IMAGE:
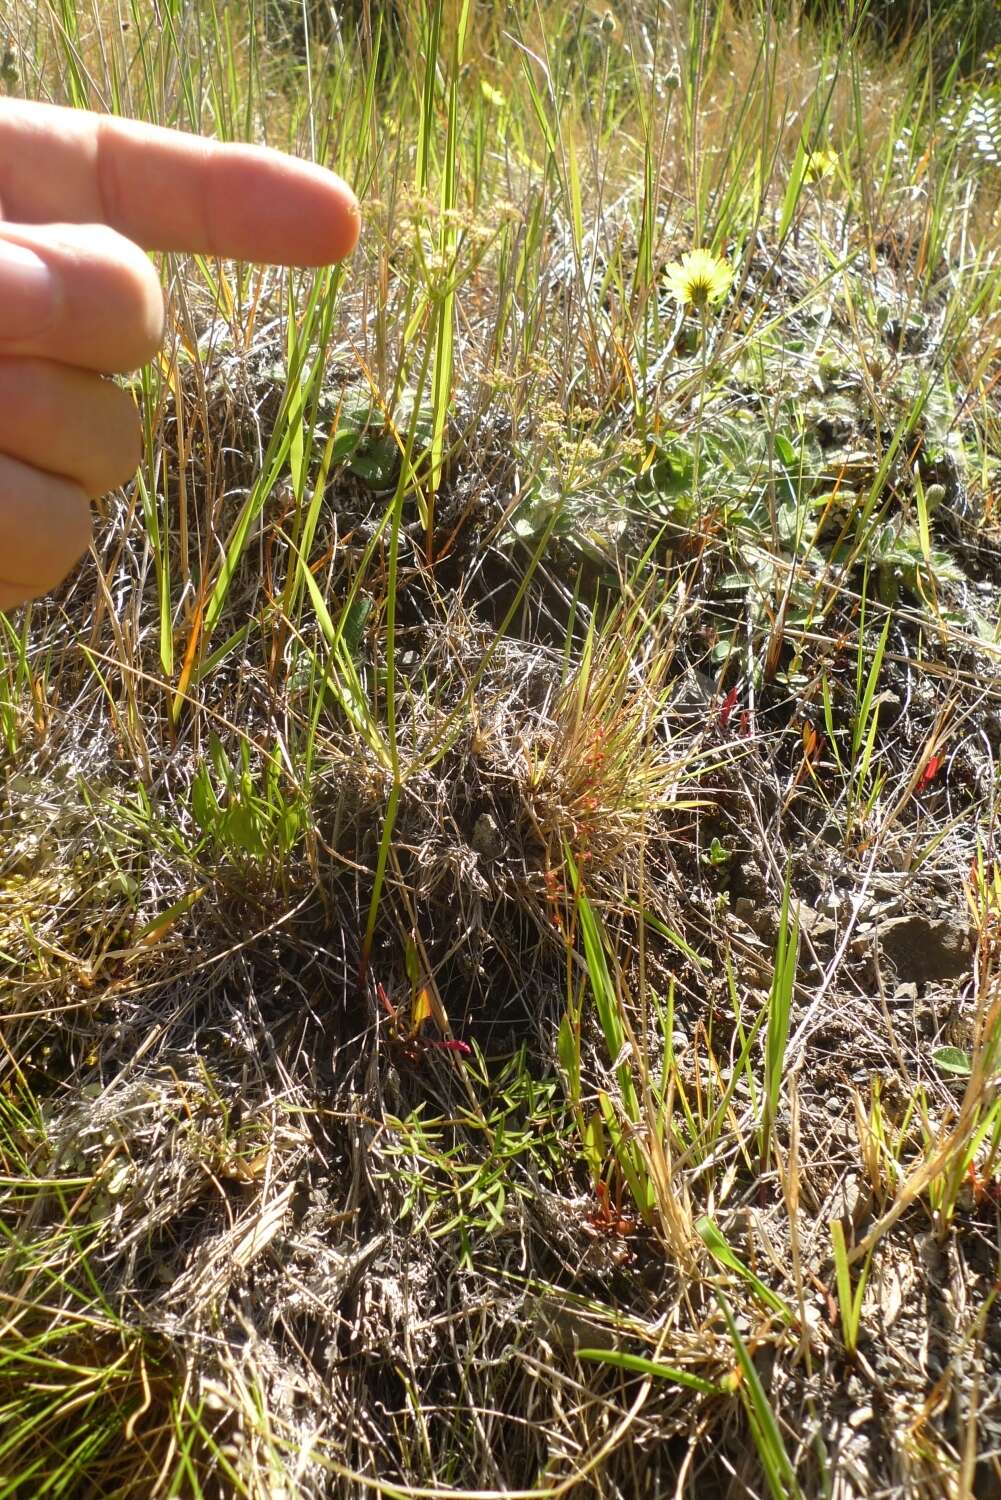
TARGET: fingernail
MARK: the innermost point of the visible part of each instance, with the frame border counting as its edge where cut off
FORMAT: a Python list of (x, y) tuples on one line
[(27, 292)]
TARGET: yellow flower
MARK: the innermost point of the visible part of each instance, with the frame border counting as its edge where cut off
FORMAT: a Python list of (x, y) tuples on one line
[(820, 164), (699, 278)]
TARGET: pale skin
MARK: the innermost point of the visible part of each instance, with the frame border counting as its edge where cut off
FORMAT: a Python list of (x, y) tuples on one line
[(81, 197)]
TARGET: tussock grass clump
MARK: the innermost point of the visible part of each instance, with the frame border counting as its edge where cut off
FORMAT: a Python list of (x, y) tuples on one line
[(499, 886)]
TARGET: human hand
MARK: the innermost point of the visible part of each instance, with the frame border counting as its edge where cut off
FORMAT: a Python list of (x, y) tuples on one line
[(79, 194)]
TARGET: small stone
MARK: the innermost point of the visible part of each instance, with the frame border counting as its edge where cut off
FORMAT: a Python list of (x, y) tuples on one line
[(486, 840), (923, 949), (820, 929), (925, 1020), (855, 1199)]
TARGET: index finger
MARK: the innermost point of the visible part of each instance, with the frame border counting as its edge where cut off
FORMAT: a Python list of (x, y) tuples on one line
[(171, 191)]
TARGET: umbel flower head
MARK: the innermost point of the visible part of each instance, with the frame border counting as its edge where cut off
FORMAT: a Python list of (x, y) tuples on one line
[(699, 278)]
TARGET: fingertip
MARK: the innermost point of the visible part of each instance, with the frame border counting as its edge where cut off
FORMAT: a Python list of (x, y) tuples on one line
[(67, 522), (45, 528), (347, 231), (331, 215), (114, 459), (147, 295), (107, 272), (69, 422)]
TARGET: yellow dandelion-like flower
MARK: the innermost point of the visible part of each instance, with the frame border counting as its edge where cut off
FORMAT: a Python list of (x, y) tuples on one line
[(820, 164), (699, 278)]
